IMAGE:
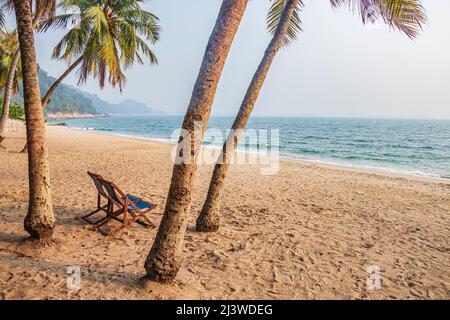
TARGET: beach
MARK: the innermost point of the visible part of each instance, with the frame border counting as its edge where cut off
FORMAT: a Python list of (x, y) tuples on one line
[(308, 232)]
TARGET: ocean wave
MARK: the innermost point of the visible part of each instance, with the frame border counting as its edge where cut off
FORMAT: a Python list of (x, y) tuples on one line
[(391, 170)]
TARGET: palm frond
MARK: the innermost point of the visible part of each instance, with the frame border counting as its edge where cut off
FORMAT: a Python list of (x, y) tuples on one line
[(110, 36), (8, 47), (274, 16), (408, 16)]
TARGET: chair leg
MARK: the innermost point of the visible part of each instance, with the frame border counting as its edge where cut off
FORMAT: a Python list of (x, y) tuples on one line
[(102, 221), (85, 217), (115, 232), (108, 217), (144, 224), (90, 214), (130, 216), (149, 222)]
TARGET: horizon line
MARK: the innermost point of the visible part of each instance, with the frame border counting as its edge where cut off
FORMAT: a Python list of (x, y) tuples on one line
[(295, 116)]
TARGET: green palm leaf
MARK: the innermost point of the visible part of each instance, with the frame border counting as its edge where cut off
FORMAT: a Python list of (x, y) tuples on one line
[(408, 16), (274, 15), (110, 36)]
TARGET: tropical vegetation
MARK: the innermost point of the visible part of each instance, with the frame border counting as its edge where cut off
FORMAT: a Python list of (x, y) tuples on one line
[(42, 9), (16, 110), (8, 48), (104, 38)]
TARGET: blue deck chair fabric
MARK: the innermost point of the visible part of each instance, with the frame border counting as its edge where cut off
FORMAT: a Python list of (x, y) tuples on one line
[(142, 205)]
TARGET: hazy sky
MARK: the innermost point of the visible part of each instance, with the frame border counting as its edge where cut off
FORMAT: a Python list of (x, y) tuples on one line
[(338, 67)]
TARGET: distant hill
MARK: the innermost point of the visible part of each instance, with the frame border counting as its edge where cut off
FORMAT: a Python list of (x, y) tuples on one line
[(65, 99), (125, 107), (69, 99)]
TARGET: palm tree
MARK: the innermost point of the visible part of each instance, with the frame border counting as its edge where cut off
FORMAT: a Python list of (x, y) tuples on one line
[(43, 9), (104, 36), (9, 91), (8, 48), (283, 20), (40, 219), (164, 259)]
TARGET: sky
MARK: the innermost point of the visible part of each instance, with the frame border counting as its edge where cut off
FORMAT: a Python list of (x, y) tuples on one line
[(337, 68)]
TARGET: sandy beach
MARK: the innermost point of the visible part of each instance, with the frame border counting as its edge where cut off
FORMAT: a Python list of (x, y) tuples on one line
[(308, 232)]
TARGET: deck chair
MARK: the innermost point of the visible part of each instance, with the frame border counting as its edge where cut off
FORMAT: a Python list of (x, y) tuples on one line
[(132, 209), (101, 194)]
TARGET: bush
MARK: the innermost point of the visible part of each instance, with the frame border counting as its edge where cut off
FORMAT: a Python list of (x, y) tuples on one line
[(16, 111)]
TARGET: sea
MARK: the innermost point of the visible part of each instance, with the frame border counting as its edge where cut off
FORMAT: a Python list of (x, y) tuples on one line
[(402, 146)]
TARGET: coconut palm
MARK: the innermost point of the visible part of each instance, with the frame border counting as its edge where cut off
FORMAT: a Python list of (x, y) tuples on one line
[(284, 22), (8, 47), (40, 220), (43, 9), (8, 75), (9, 91), (104, 38), (164, 259)]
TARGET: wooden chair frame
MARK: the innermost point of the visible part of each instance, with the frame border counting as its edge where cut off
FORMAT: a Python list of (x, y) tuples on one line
[(101, 193), (118, 198)]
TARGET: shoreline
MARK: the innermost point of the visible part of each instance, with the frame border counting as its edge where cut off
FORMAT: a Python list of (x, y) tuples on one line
[(73, 115), (288, 158)]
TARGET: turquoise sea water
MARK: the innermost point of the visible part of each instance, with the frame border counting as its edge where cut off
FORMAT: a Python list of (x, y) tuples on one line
[(414, 147)]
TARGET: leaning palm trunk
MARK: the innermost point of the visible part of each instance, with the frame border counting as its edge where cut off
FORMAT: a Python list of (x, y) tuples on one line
[(209, 217), (52, 89), (164, 259), (40, 221), (55, 85), (9, 90)]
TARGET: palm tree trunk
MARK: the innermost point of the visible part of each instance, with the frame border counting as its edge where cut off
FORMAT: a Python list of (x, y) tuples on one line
[(55, 85), (209, 218), (8, 93), (40, 220), (164, 259)]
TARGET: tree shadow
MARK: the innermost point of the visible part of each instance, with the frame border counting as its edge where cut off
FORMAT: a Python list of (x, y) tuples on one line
[(12, 258), (93, 275), (64, 215), (11, 237), (70, 216), (12, 214), (193, 230)]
